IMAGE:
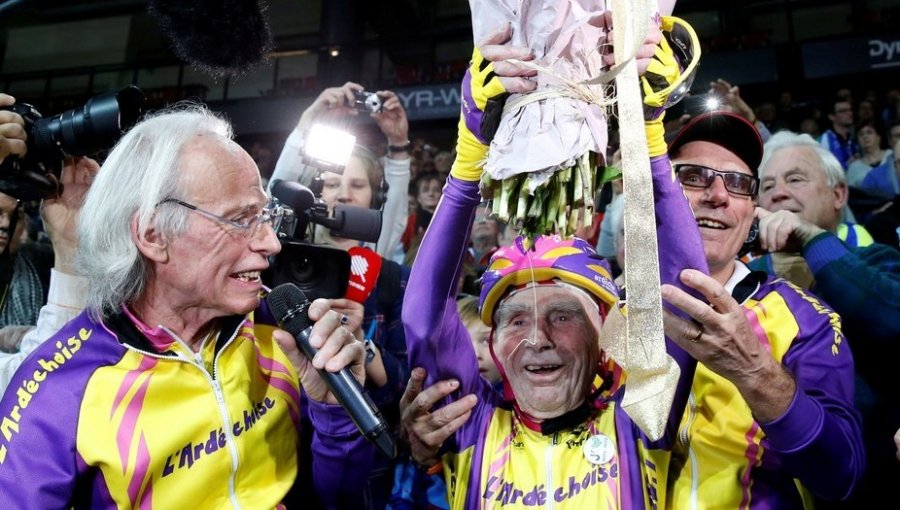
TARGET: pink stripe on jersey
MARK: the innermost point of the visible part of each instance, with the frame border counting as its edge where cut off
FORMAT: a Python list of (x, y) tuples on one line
[(751, 454)]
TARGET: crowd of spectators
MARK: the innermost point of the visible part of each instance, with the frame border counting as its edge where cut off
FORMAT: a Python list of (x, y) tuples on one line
[(819, 199)]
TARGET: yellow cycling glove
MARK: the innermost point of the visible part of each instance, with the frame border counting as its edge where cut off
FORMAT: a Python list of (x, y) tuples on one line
[(668, 77), (482, 98)]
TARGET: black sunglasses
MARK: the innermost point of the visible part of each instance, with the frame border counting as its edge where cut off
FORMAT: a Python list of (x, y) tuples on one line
[(701, 177)]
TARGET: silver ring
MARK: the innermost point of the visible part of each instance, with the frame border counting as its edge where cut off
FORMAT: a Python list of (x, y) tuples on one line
[(699, 334), (344, 320)]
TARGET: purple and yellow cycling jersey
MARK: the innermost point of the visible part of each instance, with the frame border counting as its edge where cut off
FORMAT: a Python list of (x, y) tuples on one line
[(512, 466), (97, 417), (725, 459), (494, 461)]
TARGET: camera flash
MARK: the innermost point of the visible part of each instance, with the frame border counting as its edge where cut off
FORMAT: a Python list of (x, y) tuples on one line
[(330, 146), (712, 103)]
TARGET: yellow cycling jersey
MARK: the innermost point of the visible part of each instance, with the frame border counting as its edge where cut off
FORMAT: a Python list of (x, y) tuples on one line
[(111, 422), (723, 458), (576, 468)]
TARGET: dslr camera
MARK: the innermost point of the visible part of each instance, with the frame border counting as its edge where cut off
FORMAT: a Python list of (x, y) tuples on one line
[(367, 102), (77, 132)]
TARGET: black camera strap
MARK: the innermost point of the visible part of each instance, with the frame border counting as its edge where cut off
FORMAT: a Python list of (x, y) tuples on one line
[(6, 258)]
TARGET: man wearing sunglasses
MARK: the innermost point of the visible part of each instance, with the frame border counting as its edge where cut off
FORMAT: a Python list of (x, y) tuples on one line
[(173, 387), (786, 411)]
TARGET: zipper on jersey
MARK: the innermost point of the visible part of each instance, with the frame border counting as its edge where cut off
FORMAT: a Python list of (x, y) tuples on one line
[(684, 433), (229, 438), (232, 447), (548, 466), (213, 379), (684, 438)]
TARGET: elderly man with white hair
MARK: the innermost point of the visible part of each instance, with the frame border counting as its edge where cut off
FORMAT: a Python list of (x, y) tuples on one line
[(802, 192), (173, 387)]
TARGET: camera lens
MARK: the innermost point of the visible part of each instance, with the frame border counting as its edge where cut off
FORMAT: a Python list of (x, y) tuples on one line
[(95, 126), (304, 270)]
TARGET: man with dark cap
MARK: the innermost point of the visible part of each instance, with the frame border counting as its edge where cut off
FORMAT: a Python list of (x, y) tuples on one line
[(747, 446)]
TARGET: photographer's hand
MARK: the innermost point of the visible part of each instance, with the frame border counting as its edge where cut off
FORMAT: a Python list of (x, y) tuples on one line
[(392, 122), (331, 101), (731, 99), (12, 132), (60, 214)]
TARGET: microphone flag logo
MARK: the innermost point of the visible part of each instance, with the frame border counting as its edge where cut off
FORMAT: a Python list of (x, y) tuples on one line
[(358, 266), (365, 266)]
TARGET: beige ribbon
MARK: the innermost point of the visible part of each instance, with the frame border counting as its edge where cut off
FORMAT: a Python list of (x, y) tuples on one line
[(635, 342), (640, 347)]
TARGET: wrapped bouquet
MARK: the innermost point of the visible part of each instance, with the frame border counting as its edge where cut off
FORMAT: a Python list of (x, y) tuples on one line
[(542, 161)]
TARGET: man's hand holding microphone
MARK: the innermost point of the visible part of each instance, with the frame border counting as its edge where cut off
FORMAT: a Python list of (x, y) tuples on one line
[(328, 357)]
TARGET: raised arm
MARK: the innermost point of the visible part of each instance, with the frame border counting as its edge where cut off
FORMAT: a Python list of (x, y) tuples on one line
[(68, 293), (393, 124), (679, 243), (434, 332)]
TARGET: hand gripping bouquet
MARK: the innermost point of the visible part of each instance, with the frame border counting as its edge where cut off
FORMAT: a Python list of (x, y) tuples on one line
[(541, 159)]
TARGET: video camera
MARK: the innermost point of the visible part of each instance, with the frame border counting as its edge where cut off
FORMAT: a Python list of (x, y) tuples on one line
[(320, 271), (77, 132)]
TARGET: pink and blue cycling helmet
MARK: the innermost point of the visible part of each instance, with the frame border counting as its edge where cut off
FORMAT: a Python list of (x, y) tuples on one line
[(572, 261)]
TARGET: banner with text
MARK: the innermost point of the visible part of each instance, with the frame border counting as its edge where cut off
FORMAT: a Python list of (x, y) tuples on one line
[(848, 56), (426, 102)]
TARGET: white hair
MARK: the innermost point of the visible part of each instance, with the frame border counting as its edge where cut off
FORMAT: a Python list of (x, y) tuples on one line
[(834, 172), (141, 171)]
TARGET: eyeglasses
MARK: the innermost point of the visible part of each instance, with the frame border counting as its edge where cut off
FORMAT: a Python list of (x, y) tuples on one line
[(701, 177), (248, 223)]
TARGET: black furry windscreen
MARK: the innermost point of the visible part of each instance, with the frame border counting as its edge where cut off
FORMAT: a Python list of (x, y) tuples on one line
[(225, 37)]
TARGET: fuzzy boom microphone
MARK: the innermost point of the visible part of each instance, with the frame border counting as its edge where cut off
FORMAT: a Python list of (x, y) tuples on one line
[(227, 37)]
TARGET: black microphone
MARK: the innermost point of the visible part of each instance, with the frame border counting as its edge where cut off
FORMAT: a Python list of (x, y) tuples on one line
[(293, 194), (351, 222), (289, 305)]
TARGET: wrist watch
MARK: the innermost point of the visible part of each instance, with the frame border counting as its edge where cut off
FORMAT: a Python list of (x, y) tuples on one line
[(400, 148), (370, 350)]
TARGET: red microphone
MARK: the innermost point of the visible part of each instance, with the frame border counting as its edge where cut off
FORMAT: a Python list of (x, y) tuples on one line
[(365, 266)]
